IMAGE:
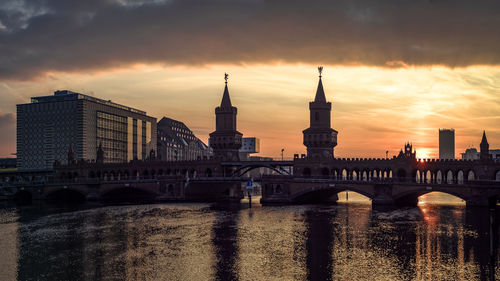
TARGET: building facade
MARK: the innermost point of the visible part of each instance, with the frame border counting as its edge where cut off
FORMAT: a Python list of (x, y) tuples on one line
[(51, 126), (446, 143), (470, 154), (249, 146), (176, 142)]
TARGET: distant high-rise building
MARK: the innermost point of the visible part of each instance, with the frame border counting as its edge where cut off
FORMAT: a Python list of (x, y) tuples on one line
[(177, 142), (72, 125), (446, 144), (248, 146)]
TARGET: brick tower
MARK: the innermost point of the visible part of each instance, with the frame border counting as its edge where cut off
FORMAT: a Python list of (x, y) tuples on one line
[(320, 139), (226, 140)]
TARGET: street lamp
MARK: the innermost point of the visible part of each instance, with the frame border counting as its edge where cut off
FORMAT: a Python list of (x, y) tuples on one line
[(282, 150)]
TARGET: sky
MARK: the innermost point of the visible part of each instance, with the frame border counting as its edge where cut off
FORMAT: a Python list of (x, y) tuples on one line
[(395, 71)]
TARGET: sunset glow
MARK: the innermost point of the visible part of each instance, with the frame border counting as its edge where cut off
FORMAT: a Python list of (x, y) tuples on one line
[(374, 109)]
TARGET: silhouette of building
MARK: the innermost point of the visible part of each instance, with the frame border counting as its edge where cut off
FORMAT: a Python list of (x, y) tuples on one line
[(248, 146), (320, 139), (49, 126), (484, 152), (473, 154), (446, 144), (470, 154), (226, 140), (176, 142), (408, 153)]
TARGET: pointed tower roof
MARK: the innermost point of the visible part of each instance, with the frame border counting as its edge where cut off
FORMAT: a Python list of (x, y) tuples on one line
[(484, 140), (226, 100), (320, 93)]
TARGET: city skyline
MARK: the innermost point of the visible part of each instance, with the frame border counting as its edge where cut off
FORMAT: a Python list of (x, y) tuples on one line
[(387, 85), (290, 117)]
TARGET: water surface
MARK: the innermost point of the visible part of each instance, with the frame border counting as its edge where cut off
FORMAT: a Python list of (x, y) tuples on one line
[(348, 241)]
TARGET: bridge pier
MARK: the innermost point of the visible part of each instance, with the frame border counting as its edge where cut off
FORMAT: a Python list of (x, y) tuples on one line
[(383, 195), (480, 202)]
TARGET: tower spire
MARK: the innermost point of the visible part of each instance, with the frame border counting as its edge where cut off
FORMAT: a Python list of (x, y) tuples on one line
[(484, 148), (320, 93), (226, 100), (226, 140), (320, 139), (484, 140)]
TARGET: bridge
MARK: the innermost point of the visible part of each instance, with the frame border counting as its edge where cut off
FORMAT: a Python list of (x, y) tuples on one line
[(313, 177), (388, 191)]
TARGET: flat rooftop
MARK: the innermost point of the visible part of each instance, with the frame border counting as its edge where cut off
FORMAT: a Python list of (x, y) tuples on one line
[(66, 95)]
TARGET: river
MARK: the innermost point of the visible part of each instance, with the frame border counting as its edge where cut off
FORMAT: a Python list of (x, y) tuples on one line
[(194, 241)]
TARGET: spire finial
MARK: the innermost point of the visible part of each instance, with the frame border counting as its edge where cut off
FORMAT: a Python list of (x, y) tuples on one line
[(226, 76), (320, 70)]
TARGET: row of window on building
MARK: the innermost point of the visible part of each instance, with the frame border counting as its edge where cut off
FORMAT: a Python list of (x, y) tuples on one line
[(87, 123)]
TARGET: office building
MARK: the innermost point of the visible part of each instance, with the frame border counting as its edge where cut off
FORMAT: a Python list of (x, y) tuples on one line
[(73, 125), (446, 144), (176, 142), (248, 146)]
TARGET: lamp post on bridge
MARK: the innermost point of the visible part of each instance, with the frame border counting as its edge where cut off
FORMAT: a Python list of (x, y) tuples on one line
[(282, 150)]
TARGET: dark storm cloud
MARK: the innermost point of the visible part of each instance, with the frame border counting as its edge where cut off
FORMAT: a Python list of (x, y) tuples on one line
[(63, 35)]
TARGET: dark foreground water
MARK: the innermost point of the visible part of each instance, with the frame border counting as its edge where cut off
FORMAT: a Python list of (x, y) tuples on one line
[(211, 242)]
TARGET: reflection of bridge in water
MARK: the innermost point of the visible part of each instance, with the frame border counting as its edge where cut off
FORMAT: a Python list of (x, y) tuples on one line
[(317, 176)]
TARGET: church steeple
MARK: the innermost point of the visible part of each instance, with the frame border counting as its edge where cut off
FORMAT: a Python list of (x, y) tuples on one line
[(484, 140), (484, 147), (320, 138)]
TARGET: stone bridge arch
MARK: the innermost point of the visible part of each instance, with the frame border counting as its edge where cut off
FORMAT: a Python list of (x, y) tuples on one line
[(321, 193), (66, 195), (23, 196), (410, 196)]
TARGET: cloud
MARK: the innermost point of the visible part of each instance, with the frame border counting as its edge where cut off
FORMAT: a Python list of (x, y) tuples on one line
[(60, 35), (8, 135)]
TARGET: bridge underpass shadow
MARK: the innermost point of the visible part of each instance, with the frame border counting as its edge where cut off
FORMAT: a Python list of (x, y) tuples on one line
[(324, 196), (128, 195), (23, 197), (332, 196), (429, 197), (65, 196)]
